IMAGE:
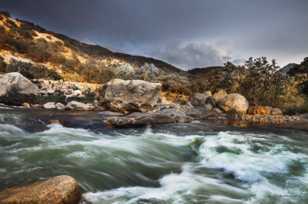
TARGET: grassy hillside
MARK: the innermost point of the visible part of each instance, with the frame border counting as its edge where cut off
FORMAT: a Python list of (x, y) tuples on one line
[(37, 52)]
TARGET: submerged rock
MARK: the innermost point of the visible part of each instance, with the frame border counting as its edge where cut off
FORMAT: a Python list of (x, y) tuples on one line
[(57, 190), (234, 103), (130, 95), (16, 89)]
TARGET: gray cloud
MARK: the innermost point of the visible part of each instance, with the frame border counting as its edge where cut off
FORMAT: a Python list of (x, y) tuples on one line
[(277, 28), (192, 54)]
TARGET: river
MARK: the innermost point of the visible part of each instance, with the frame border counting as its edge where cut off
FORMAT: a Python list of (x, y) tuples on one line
[(169, 164)]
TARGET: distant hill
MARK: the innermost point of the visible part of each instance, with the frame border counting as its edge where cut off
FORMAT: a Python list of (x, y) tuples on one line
[(301, 68)]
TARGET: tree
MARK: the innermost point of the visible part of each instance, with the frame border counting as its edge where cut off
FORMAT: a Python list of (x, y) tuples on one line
[(264, 83)]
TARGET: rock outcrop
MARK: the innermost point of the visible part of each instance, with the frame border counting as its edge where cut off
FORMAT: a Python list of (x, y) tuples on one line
[(130, 95), (16, 89), (57, 190), (234, 103)]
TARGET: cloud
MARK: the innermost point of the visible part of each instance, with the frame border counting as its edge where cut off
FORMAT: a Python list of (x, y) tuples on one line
[(192, 54)]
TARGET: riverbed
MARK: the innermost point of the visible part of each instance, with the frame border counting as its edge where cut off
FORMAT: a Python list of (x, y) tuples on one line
[(166, 164)]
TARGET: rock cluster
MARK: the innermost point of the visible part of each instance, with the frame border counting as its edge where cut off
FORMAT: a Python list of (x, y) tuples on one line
[(61, 91), (56, 190), (137, 102), (229, 103)]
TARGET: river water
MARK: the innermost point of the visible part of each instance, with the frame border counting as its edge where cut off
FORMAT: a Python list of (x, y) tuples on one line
[(171, 164)]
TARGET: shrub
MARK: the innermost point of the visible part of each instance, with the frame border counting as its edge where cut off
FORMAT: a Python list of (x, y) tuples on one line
[(31, 71)]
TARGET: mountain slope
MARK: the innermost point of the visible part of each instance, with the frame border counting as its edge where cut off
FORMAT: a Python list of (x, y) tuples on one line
[(38, 53)]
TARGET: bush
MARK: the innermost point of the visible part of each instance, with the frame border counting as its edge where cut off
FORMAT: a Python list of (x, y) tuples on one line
[(31, 71)]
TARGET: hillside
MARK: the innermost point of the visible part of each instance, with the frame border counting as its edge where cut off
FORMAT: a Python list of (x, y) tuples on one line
[(38, 53)]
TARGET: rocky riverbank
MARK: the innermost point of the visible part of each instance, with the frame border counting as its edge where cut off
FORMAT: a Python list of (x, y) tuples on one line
[(135, 102)]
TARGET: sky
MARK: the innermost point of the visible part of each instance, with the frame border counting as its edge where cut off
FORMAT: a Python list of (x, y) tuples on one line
[(186, 33)]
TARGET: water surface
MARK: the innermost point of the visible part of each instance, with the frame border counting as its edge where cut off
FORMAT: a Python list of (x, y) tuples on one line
[(172, 164)]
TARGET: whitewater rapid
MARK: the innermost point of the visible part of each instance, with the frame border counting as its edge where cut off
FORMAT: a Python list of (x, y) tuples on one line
[(161, 166)]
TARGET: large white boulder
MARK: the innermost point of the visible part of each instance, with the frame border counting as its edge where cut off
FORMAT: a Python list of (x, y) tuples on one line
[(130, 95), (16, 89)]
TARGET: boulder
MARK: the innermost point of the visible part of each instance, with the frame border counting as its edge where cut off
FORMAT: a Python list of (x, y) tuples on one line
[(130, 95), (219, 95), (234, 103), (78, 106), (16, 89), (142, 119), (57, 190)]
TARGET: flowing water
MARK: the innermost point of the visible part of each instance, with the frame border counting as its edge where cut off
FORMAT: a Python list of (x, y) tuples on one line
[(173, 164)]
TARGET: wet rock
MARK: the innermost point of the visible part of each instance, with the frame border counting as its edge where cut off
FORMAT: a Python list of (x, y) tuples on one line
[(57, 190), (16, 89), (130, 95), (140, 119), (78, 106), (234, 103)]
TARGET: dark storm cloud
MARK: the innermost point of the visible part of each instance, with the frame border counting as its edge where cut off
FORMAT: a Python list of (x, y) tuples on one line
[(184, 32)]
